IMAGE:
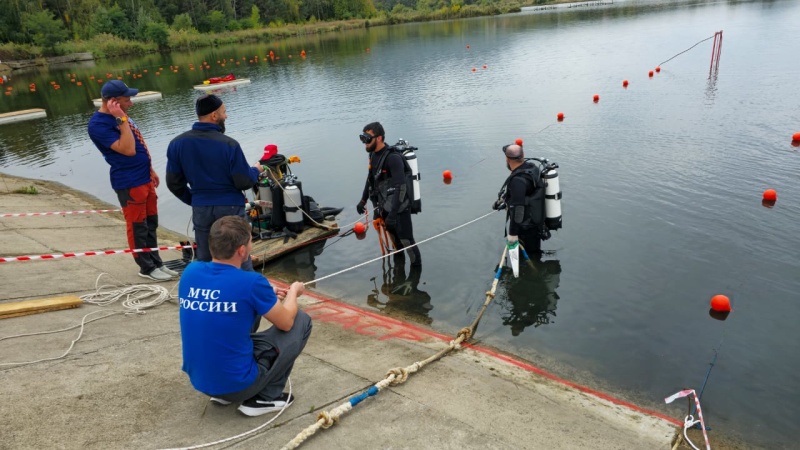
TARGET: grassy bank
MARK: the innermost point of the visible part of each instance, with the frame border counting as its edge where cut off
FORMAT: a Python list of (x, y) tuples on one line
[(108, 46)]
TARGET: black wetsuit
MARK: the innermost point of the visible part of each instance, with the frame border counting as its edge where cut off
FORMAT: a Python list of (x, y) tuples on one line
[(398, 224), (519, 187)]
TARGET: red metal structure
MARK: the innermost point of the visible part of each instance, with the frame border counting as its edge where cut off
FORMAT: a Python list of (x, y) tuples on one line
[(716, 51)]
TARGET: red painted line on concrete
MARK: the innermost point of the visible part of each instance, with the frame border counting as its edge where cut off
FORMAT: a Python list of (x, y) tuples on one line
[(484, 350)]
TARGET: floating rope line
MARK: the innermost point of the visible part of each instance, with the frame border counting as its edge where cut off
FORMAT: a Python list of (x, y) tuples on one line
[(398, 375), (695, 45)]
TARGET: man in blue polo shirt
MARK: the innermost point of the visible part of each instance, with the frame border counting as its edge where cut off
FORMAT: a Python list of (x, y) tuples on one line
[(208, 171), (132, 176), (220, 306)]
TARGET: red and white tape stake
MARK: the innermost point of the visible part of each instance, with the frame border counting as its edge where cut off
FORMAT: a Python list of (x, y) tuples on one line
[(689, 421), (97, 253), (59, 213)]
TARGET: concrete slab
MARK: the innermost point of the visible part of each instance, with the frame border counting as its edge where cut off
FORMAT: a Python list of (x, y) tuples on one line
[(122, 385)]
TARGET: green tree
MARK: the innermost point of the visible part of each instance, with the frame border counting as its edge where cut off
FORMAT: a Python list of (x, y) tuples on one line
[(217, 22), (182, 22), (112, 21), (255, 17), (44, 29), (157, 32)]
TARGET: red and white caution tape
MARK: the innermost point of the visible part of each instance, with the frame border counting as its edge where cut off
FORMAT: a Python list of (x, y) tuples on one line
[(689, 421), (97, 253), (59, 213)]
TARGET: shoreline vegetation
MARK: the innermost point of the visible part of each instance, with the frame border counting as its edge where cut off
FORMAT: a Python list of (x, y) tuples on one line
[(43, 36)]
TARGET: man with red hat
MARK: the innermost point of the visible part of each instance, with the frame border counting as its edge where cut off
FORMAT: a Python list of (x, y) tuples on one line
[(208, 171), (132, 176)]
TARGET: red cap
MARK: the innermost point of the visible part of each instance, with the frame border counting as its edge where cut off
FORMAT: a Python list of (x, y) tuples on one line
[(269, 151)]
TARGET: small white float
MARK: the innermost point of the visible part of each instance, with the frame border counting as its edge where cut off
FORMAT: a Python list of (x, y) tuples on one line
[(224, 84), (19, 116), (140, 97)]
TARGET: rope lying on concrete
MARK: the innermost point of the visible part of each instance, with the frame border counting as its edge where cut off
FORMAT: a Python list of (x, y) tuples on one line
[(398, 375)]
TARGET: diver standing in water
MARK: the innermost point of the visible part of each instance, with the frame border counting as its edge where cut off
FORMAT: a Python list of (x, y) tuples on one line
[(523, 193), (388, 190)]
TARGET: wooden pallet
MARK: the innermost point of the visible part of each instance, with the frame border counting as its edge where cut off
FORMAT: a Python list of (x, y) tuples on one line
[(24, 308), (267, 250)]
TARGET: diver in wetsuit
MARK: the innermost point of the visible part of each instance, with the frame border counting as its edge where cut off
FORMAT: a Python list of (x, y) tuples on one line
[(523, 195), (388, 190)]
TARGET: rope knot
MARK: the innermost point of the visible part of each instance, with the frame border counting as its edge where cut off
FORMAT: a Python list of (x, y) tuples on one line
[(490, 294), (466, 332), (400, 375), (328, 420)]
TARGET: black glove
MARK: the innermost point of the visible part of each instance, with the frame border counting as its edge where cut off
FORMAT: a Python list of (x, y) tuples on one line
[(360, 208), (498, 205), (391, 222)]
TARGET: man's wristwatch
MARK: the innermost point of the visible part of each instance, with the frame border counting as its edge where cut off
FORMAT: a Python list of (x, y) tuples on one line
[(121, 120)]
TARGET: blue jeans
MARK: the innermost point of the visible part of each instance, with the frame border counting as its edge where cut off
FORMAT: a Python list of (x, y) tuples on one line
[(205, 216)]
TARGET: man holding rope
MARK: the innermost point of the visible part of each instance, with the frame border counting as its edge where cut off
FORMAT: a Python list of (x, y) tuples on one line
[(221, 307)]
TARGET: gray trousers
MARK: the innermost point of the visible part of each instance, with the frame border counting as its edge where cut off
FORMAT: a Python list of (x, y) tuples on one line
[(275, 352)]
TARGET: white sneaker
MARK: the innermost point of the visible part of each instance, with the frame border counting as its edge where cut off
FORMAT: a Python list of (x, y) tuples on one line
[(156, 275), (168, 271)]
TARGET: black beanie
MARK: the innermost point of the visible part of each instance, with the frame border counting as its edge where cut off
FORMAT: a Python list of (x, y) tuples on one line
[(207, 104)]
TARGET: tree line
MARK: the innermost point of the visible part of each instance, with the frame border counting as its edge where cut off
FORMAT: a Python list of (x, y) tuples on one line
[(46, 23)]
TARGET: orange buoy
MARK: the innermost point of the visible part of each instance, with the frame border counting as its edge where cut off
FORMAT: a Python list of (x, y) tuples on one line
[(720, 303), (658, 69), (560, 116), (518, 141), (650, 74), (474, 69), (624, 83), (447, 175), (484, 66), (770, 195), (796, 137), (360, 227), (596, 98)]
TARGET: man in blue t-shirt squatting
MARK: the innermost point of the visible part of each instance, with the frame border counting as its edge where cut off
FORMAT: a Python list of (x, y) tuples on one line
[(132, 176), (221, 306)]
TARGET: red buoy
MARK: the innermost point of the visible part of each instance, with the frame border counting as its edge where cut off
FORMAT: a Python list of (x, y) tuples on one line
[(518, 141), (474, 69), (596, 98), (720, 303), (360, 227), (658, 69), (560, 116), (796, 137), (624, 83), (770, 195), (650, 74), (447, 175), (484, 66), (468, 46)]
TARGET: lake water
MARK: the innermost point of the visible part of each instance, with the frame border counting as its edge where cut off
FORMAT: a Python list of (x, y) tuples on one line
[(662, 182)]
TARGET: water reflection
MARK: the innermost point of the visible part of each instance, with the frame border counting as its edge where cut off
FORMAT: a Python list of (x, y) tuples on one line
[(531, 299), (399, 294), (299, 265)]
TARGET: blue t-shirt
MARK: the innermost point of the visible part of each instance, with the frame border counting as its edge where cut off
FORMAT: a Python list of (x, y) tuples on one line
[(218, 305), (126, 171)]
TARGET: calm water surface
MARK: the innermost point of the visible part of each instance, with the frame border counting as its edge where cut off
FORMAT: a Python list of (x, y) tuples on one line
[(661, 182)]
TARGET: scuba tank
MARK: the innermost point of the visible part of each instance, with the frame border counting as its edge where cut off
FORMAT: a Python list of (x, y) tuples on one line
[(292, 205), (552, 197), (265, 195), (411, 159)]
